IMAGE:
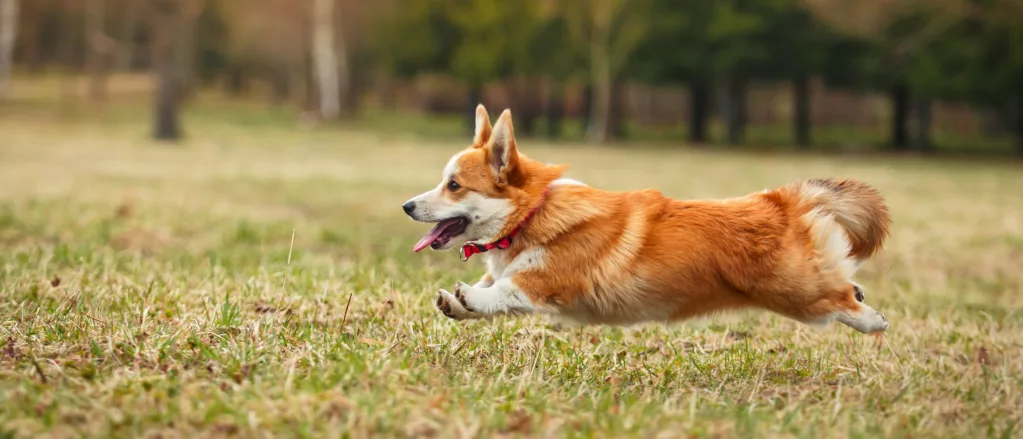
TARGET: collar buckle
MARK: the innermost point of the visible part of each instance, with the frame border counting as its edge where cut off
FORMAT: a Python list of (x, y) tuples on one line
[(470, 249)]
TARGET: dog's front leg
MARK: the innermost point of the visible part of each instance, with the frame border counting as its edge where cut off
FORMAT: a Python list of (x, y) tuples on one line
[(486, 281), (475, 302)]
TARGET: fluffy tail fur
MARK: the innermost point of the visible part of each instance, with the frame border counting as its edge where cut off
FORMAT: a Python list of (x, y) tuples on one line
[(857, 207)]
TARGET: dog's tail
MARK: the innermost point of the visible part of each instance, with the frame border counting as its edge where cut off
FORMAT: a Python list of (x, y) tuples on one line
[(858, 208)]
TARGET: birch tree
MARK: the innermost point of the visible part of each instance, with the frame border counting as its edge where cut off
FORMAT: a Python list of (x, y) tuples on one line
[(331, 69), (8, 36)]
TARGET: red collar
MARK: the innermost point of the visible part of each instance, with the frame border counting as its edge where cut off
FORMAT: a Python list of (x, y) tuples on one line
[(471, 249)]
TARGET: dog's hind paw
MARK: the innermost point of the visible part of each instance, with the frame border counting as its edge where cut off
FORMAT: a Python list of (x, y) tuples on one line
[(866, 320)]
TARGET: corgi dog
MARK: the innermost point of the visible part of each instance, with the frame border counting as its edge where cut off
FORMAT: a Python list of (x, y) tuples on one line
[(559, 247)]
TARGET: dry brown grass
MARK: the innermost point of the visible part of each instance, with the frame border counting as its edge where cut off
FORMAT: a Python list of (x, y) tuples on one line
[(201, 290)]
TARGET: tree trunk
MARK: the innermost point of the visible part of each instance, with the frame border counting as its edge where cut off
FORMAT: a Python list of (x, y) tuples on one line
[(237, 82), (30, 42), (280, 83), (555, 110), (526, 103), (309, 91), (801, 107), (900, 117), (736, 110), (475, 98), (923, 125), (351, 94), (345, 79), (699, 100), (618, 117), (186, 46), (96, 44), (296, 84), (326, 60), (387, 91), (1016, 120), (585, 106), (600, 129), (66, 51), (126, 53), (167, 17), (8, 36)]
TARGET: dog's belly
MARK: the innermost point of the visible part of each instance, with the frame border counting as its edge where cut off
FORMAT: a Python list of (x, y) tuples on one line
[(655, 292)]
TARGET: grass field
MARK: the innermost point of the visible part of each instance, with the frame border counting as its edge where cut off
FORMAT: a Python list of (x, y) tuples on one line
[(258, 280)]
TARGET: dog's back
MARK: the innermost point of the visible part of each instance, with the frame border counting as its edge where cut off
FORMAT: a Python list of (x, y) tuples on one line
[(634, 256)]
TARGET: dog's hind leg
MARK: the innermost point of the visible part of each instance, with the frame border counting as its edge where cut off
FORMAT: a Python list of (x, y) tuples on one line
[(848, 308), (867, 320)]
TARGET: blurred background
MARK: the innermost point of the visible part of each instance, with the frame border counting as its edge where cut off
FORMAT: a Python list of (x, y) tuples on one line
[(925, 76), (201, 231)]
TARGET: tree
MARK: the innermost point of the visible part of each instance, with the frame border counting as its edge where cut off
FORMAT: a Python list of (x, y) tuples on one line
[(476, 41), (191, 11), (694, 42), (129, 27), (166, 16), (996, 27), (528, 56), (416, 38), (8, 37), (737, 33), (610, 31), (551, 55), (484, 29), (976, 60), (798, 46), (98, 45), (675, 52), (897, 32), (214, 42), (325, 57)]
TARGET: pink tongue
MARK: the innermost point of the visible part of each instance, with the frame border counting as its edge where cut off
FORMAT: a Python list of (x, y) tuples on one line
[(434, 234)]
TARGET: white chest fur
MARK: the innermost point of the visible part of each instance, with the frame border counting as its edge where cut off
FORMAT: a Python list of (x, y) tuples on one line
[(502, 267)]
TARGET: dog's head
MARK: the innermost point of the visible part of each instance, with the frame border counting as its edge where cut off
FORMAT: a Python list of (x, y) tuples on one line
[(484, 190)]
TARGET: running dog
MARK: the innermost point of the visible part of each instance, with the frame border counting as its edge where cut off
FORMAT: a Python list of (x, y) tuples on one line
[(557, 246)]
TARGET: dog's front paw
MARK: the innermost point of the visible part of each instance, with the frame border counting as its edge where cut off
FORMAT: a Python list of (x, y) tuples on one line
[(460, 289), (453, 305)]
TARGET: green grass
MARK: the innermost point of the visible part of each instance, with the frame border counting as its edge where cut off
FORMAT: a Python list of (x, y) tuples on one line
[(258, 280)]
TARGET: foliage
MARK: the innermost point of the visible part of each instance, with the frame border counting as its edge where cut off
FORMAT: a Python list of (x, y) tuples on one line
[(977, 58), (698, 40), (475, 40), (416, 38), (962, 50)]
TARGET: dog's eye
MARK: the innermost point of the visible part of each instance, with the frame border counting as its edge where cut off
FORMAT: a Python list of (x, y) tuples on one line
[(452, 186)]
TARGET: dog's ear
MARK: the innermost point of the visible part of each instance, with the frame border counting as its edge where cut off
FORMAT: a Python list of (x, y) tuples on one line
[(502, 155), (483, 129)]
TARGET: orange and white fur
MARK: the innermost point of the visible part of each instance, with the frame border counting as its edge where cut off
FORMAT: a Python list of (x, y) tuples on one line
[(596, 256)]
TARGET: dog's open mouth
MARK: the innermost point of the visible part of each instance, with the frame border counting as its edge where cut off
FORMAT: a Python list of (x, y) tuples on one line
[(442, 233)]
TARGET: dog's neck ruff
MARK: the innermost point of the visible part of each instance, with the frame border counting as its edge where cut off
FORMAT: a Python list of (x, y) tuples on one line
[(470, 249)]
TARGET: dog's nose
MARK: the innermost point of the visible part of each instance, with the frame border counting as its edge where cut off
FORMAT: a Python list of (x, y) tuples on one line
[(409, 207)]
